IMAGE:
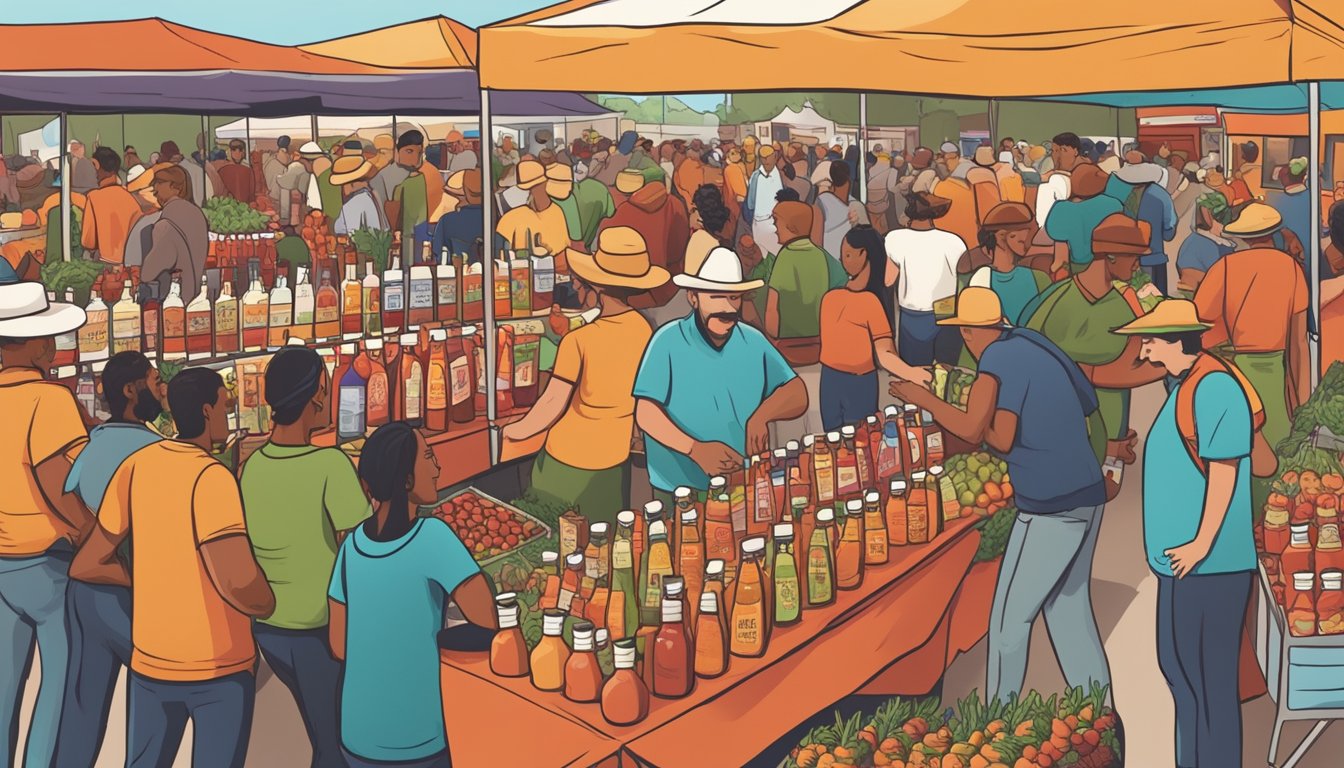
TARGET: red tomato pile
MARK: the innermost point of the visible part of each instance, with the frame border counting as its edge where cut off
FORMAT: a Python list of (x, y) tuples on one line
[(486, 527)]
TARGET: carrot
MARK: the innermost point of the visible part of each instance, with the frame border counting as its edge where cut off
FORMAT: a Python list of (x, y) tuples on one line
[(1086, 714), (1029, 752), (993, 491), (1007, 489), (982, 500), (1060, 728)]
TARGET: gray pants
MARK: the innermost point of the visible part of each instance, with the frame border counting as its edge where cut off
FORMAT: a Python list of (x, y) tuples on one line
[(98, 617), (220, 711), (1047, 569), (32, 616), (302, 659), (1199, 629)]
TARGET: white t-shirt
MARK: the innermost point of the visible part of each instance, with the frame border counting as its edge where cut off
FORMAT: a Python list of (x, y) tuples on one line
[(928, 263)]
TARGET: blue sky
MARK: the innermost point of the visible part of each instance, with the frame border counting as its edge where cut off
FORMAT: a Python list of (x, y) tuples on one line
[(256, 19)]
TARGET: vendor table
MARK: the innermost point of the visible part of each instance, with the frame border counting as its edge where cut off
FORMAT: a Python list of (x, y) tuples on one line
[(897, 633)]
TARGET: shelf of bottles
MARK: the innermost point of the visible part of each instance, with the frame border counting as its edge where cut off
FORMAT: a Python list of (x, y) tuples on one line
[(405, 343)]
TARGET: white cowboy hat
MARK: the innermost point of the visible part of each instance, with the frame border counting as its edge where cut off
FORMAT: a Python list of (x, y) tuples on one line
[(1140, 173), (721, 271), (25, 312), (310, 149)]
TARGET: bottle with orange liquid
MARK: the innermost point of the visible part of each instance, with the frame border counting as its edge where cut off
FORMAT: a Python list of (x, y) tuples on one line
[(799, 478), (550, 565), (691, 557), (508, 650), (898, 515), (719, 523), (174, 323), (933, 439), (875, 539), (889, 450), (919, 509), (673, 654), (436, 382), (1298, 557), (623, 579), (200, 334), (849, 552), (327, 315), (352, 304), (761, 513), (625, 697), (583, 675), (551, 655), (863, 447), (846, 463), (750, 623), (1302, 606), (711, 644), (823, 472)]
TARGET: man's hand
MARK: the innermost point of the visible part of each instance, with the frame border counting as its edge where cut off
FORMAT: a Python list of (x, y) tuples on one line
[(1164, 151), (915, 375), (907, 391), (715, 458), (1123, 449), (758, 436), (853, 217), (510, 432), (1184, 558)]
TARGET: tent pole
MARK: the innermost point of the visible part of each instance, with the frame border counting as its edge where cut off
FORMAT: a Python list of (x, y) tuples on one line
[(247, 139), (488, 269), (394, 132), (1119, 148), (314, 127), (863, 147), (993, 128), (67, 170), (1313, 263), (205, 156)]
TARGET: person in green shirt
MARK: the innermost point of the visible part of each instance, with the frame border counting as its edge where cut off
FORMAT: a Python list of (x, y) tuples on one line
[(585, 203), (299, 499), (800, 276)]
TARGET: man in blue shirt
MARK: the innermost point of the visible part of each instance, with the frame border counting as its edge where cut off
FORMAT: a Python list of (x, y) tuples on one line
[(1036, 409), (1138, 187), (460, 230), (98, 611), (1197, 530), (709, 387), (1201, 251)]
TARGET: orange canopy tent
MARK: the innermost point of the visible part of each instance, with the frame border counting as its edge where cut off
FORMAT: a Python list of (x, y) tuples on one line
[(434, 43), (948, 47)]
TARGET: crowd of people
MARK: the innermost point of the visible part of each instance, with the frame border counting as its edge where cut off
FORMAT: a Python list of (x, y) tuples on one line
[(747, 296)]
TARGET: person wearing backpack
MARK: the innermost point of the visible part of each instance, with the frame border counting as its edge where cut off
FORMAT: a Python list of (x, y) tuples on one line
[(1199, 456), (1034, 408), (1139, 188)]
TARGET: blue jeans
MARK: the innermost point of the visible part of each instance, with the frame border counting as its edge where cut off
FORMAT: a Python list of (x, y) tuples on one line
[(921, 341), (32, 616), (220, 711), (1047, 569), (846, 398), (1199, 629), (441, 760), (98, 617), (302, 659)]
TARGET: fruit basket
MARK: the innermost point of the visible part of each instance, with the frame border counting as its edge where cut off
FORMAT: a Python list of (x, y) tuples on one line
[(490, 528)]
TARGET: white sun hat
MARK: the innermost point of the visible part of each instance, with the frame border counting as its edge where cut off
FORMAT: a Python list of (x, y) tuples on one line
[(25, 312), (310, 149), (720, 271)]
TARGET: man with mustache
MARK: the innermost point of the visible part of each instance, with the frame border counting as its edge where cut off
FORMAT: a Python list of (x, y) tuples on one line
[(709, 386), (98, 600)]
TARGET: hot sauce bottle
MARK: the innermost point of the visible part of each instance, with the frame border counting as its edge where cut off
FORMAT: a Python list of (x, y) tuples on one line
[(898, 515), (711, 644), (174, 323), (683, 500), (656, 566), (1330, 604), (411, 384), (551, 655), (378, 404), (847, 464), (823, 472), (583, 675), (508, 650), (199, 331), (761, 513), (933, 439), (1302, 618), (1276, 527), (673, 663), (750, 623), (126, 317), (394, 297), (550, 563), (570, 580), (372, 301), (445, 284), (918, 509), (436, 382), (1329, 556), (691, 557), (327, 315), (1297, 557), (889, 448), (462, 403), (874, 530), (625, 698), (719, 522), (256, 308), (784, 573), (849, 552), (779, 485), (799, 477), (950, 508), (623, 583), (821, 562), (352, 303)]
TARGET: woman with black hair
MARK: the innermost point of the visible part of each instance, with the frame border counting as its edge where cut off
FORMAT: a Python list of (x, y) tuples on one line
[(855, 332), (709, 213), (299, 499), (392, 579), (1332, 289)]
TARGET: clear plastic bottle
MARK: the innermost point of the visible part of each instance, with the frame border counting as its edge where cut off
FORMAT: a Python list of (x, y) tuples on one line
[(508, 650), (256, 310)]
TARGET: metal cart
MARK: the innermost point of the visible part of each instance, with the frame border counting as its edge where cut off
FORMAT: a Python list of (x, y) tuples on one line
[(1305, 675)]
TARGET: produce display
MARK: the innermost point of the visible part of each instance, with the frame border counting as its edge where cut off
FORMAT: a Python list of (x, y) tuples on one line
[(982, 482), (1029, 732), (227, 216), (375, 244), (316, 233), (952, 384), (1148, 297), (487, 527), (994, 534), (76, 274), (1325, 408)]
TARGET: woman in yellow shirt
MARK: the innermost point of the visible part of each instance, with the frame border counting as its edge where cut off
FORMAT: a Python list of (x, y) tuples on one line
[(587, 405)]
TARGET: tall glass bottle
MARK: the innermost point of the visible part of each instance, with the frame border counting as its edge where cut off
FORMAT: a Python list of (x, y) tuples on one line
[(821, 561), (372, 301), (174, 322), (719, 523), (394, 297), (623, 583), (281, 309), (437, 382), (691, 557), (846, 463), (654, 567), (226, 321), (94, 335), (352, 304), (919, 509), (823, 470), (256, 310), (750, 623), (420, 305), (305, 306), (327, 314), (898, 515), (874, 530), (411, 400), (352, 400), (371, 365), (125, 322), (445, 284), (199, 331), (788, 601), (849, 552)]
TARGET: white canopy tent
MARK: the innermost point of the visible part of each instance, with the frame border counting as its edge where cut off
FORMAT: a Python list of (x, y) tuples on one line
[(433, 126)]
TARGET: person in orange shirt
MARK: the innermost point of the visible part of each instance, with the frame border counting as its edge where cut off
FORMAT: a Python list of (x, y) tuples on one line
[(855, 332), (109, 211), (39, 522), (196, 587), (961, 219), (735, 181)]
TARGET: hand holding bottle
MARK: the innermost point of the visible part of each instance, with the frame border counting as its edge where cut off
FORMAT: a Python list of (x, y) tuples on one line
[(715, 458)]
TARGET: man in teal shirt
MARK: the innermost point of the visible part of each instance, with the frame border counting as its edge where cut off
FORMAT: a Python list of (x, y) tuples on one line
[(1070, 222), (709, 386), (1197, 530), (298, 499)]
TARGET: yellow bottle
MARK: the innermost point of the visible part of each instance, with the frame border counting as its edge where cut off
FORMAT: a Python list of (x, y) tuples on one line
[(750, 623), (551, 654), (849, 552), (874, 530)]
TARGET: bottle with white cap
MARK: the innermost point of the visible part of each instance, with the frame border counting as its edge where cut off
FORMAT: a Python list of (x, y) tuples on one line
[(673, 665), (711, 644), (583, 674), (784, 575), (625, 697), (655, 566), (821, 561), (823, 469), (750, 623), (570, 580), (352, 400), (624, 579), (549, 658), (716, 583), (508, 650), (683, 499), (691, 558), (849, 550), (719, 523), (394, 297), (1330, 604), (1302, 618), (305, 306), (874, 530), (889, 451), (550, 566), (411, 382), (898, 521)]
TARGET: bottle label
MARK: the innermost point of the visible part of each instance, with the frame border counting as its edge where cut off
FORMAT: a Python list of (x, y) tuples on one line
[(325, 314), (371, 304), (849, 479), (935, 446), (877, 546), (254, 315), (916, 447), (918, 524), (378, 397), (762, 512), (786, 599), (151, 331), (392, 299), (888, 457), (174, 324), (226, 319), (524, 374), (422, 294), (825, 483), (447, 292), (543, 280), (198, 323), (473, 290), (461, 376), (280, 315), (412, 386), (818, 574), (621, 555), (351, 420), (352, 302), (438, 394), (719, 541), (595, 568), (747, 629), (126, 327), (653, 596)]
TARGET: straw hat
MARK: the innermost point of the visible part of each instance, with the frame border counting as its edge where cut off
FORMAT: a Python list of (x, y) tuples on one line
[(25, 312), (455, 183), (765, 151), (977, 308), (721, 271), (1118, 234), (1255, 220), (1169, 316), (984, 156), (530, 174), (559, 181), (621, 261), (1008, 216), (144, 180), (349, 168), (629, 181)]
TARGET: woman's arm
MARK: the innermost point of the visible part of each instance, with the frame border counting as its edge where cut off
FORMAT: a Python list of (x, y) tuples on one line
[(885, 348), (544, 413), (1126, 371), (97, 561), (477, 602), (336, 628)]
